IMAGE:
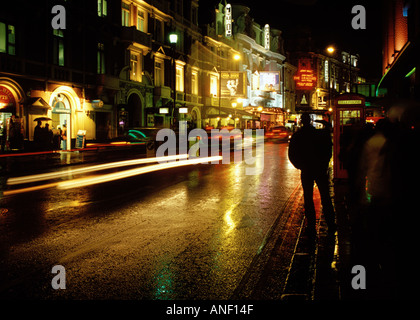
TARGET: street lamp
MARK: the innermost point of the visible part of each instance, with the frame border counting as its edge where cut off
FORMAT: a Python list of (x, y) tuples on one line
[(173, 39), (331, 49)]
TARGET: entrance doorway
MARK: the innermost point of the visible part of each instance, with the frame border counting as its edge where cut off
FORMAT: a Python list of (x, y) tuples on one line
[(134, 108), (61, 120)]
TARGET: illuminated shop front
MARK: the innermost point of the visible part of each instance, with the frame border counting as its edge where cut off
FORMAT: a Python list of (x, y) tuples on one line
[(11, 122)]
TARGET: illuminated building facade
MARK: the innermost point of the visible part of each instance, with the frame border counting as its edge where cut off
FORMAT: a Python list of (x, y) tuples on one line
[(400, 62), (321, 77), (262, 62), (114, 66)]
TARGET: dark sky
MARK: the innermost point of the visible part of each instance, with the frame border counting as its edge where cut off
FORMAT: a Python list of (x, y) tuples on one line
[(329, 21)]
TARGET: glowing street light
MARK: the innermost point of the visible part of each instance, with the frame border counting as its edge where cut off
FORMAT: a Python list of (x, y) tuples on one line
[(331, 49), (173, 38)]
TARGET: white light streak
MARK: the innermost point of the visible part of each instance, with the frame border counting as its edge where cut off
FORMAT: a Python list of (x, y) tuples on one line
[(111, 165), (83, 182), (88, 181)]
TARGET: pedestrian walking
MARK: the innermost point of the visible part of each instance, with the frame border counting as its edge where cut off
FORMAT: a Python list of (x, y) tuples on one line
[(310, 150), (48, 136), (64, 137), (38, 135)]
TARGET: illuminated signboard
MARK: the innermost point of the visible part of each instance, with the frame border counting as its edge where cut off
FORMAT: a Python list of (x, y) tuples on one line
[(350, 102), (233, 84), (6, 98), (305, 79), (269, 81), (228, 20), (267, 37)]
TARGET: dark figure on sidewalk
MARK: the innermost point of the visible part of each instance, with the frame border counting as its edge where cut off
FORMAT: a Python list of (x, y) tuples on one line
[(48, 142), (38, 135), (310, 150)]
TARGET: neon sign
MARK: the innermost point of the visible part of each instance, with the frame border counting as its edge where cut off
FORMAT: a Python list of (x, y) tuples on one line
[(228, 20), (305, 77), (267, 37)]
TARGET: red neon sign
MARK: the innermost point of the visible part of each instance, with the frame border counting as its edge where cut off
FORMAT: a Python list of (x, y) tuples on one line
[(305, 78)]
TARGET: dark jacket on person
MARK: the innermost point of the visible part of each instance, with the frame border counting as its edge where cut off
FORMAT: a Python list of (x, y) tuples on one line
[(310, 149)]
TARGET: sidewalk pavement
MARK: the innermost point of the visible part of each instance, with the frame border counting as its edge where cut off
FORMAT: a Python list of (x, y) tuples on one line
[(389, 274)]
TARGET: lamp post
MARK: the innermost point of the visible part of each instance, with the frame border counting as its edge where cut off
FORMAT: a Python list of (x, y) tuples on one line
[(173, 40), (330, 50)]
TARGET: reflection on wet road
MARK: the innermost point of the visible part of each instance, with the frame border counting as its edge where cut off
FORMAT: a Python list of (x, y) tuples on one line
[(183, 233)]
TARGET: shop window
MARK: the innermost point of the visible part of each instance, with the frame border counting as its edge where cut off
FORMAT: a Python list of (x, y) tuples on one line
[(213, 86), (58, 47), (100, 60), (159, 30), (135, 65), (159, 72), (102, 8), (7, 38), (141, 21), (179, 78), (125, 14), (194, 83)]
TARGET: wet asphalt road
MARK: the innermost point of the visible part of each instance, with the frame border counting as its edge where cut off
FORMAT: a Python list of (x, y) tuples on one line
[(185, 233)]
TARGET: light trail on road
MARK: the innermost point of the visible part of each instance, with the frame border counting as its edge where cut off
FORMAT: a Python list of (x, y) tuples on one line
[(88, 181), (83, 182), (105, 166)]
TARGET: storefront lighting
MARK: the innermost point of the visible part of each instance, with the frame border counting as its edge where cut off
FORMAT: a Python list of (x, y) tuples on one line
[(163, 110), (183, 110)]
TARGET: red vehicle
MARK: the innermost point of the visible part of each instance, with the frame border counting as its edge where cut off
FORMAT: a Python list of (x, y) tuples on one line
[(280, 133)]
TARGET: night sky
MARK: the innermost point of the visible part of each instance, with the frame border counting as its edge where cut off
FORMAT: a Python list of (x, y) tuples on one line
[(329, 22)]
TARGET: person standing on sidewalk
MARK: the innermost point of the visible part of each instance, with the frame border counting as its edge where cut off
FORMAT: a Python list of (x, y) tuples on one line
[(310, 150)]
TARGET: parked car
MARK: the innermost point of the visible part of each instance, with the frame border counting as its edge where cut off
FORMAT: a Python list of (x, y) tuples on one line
[(278, 133)]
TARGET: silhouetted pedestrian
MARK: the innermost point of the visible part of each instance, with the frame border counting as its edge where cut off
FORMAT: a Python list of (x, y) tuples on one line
[(48, 137), (38, 135), (310, 150)]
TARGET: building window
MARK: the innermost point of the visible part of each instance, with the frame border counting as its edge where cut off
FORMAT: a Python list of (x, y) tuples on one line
[(159, 30), (102, 8), (194, 13), (194, 83), (135, 64), (179, 78), (7, 39), (58, 47), (213, 86), (125, 14), (141, 22), (100, 66), (159, 72)]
